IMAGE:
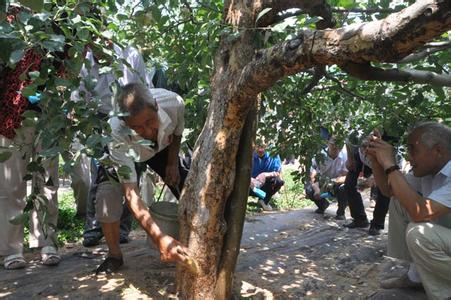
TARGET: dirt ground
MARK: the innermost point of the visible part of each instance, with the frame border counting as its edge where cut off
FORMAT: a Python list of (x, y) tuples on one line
[(284, 255)]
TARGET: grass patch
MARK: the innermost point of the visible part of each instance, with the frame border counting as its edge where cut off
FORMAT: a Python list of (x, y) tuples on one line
[(70, 226)]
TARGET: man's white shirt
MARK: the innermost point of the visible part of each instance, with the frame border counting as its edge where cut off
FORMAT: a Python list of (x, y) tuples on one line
[(330, 167), (128, 147), (435, 187)]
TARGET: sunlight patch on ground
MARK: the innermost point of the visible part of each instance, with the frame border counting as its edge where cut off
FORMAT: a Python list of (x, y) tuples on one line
[(249, 290)]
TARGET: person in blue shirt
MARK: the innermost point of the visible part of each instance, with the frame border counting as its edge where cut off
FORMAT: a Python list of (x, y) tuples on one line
[(265, 180)]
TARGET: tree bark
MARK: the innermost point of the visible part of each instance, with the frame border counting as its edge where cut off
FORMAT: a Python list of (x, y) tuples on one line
[(236, 208)]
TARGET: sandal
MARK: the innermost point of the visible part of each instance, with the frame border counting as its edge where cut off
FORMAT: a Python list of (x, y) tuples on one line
[(49, 256), (14, 262), (110, 265)]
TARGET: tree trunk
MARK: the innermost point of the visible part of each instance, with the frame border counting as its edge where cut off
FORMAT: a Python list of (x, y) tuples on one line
[(235, 212), (212, 176)]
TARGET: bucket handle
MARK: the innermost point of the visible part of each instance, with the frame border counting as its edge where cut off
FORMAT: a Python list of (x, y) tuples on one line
[(161, 192)]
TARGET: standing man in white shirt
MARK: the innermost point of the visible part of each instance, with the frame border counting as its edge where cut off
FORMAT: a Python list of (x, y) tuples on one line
[(420, 211), (150, 132), (134, 70)]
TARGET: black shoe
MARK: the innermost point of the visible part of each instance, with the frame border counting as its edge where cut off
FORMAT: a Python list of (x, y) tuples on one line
[(319, 211), (357, 224), (374, 231), (340, 217), (90, 241), (110, 265), (322, 207), (123, 239)]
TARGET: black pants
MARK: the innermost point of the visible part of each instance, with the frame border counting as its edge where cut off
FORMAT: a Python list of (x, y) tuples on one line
[(338, 192), (271, 186), (158, 164), (355, 201)]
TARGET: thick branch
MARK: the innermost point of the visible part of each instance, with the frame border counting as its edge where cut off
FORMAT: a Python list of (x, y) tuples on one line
[(367, 72), (386, 40), (365, 11), (311, 7), (424, 53)]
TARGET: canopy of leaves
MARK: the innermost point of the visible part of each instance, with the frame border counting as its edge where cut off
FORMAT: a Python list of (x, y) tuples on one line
[(181, 37)]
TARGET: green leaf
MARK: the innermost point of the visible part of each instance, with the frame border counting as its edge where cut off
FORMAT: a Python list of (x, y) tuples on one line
[(51, 152), (124, 172), (347, 3), (4, 156), (35, 5), (16, 56)]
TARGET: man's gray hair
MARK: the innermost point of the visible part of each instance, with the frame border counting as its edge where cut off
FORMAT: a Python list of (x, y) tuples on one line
[(433, 133), (133, 98)]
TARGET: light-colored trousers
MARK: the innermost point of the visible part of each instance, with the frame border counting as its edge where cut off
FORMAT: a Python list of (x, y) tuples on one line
[(13, 191), (426, 244), (81, 182)]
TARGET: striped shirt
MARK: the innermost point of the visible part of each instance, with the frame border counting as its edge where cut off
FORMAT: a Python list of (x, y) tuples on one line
[(128, 147)]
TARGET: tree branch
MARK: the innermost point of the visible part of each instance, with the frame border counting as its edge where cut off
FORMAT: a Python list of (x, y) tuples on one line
[(311, 7), (317, 73), (386, 40), (368, 72), (424, 53), (365, 11), (341, 87)]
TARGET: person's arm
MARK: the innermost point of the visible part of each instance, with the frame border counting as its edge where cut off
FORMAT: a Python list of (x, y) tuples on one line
[(380, 178), (350, 161), (170, 248), (172, 168), (339, 179), (419, 208)]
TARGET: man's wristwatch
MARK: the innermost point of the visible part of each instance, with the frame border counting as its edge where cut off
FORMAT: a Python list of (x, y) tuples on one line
[(391, 169)]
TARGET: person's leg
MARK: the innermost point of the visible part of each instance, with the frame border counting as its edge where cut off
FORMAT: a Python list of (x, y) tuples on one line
[(12, 201), (42, 235), (93, 231), (430, 247), (379, 213), (342, 199), (321, 203), (397, 226), (125, 224), (81, 183), (271, 186), (109, 204), (354, 197)]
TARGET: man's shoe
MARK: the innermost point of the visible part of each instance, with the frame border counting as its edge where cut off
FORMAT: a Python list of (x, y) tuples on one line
[(357, 224), (266, 207), (374, 231), (110, 265), (400, 282), (322, 207), (340, 217), (319, 211), (90, 241)]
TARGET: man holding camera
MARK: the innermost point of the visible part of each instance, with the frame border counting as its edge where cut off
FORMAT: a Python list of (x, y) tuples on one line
[(420, 212)]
